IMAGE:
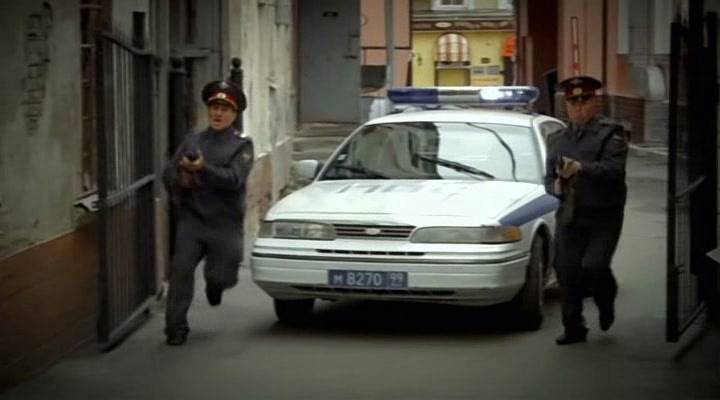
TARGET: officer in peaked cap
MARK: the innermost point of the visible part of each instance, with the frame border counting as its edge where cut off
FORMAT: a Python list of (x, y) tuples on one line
[(225, 92), (579, 87), (586, 170), (206, 180)]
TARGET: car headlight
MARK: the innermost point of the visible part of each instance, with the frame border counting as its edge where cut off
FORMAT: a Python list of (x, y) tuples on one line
[(488, 234), (297, 230)]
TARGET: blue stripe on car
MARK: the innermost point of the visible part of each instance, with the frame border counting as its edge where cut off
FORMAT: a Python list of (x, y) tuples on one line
[(532, 210)]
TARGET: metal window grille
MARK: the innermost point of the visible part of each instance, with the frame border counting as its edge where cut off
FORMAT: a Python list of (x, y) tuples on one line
[(453, 48)]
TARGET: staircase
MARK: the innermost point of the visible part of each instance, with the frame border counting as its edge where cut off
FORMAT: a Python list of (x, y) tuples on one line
[(316, 141)]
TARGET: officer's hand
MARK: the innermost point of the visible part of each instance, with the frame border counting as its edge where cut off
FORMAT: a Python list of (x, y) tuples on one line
[(193, 166), (570, 167)]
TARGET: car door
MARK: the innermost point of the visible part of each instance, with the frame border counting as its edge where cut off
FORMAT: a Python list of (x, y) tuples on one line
[(545, 126)]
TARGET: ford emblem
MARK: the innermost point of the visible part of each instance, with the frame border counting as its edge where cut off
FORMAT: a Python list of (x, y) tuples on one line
[(372, 231)]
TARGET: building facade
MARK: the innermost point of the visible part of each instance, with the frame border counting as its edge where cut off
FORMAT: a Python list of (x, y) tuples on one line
[(50, 162), (624, 43), (462, 43)]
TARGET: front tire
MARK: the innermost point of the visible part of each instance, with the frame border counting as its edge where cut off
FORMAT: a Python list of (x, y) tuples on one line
[(528, 303), (294, 312)]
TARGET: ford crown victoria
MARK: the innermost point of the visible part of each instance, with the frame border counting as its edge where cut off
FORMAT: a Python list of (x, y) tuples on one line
[(443, 206)]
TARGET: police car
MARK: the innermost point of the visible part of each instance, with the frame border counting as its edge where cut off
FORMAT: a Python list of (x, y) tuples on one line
[(444, 206)]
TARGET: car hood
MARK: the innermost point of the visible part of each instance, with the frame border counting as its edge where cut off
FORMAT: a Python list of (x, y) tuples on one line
[(484, 200)]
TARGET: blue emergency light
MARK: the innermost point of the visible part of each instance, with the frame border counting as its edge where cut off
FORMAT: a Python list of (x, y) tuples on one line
[(493, 96)]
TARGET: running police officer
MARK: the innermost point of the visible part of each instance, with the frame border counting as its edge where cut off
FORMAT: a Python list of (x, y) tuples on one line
[(586, 171), (206, 179)]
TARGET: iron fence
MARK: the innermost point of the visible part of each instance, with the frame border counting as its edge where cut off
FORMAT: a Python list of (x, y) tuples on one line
[(125, 186)]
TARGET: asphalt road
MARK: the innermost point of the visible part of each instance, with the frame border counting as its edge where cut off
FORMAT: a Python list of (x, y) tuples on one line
[(360, 350)]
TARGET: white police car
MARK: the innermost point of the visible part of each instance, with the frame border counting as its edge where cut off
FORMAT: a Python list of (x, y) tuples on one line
[(442, 206)]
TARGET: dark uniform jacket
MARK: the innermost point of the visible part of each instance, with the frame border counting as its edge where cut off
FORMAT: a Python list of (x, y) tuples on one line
[(218, 196), (601, 148)]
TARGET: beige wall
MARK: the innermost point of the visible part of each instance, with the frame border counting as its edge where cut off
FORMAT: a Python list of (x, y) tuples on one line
[(373, 40), (618, 67), (373, 23), (267, 51), (589, 16), (590, 24)]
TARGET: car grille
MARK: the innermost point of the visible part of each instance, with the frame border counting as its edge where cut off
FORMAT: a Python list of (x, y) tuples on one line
[(373, 253), (373, 231), (395, 292)]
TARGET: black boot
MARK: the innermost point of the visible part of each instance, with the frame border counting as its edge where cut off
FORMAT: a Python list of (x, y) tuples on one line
[(177, 337), (607, 315), (572, 336), (214, 294)]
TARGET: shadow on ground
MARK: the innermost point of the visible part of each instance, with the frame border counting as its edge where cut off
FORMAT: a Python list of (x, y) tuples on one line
[(383, 318)]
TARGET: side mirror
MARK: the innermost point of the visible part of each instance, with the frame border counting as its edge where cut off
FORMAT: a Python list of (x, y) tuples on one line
[(307, 169)]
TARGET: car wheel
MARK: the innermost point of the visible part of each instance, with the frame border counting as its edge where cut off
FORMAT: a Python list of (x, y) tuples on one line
[(294, 312), (528, 302)]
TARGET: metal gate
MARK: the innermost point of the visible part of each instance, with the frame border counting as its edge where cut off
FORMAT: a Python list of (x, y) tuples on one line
[(692, 170), (125, 186)]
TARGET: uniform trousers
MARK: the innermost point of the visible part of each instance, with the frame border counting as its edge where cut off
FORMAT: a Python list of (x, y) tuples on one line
[(221, 246), (584, 252)]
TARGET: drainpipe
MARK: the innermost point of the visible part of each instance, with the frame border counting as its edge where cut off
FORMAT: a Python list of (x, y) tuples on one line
[(390, 42), (604, 56)]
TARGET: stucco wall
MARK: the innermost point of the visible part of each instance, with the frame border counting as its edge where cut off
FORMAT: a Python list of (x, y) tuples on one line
[(590, 36), (373, 23), (267, 54), (266, 49), (373, 40), (40, 121), (618, 65)]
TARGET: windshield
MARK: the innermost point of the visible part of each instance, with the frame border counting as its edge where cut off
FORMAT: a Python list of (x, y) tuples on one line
[(439, 150)]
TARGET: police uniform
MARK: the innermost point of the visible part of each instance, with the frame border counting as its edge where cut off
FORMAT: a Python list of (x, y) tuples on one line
[(591, 212), (210, 211)]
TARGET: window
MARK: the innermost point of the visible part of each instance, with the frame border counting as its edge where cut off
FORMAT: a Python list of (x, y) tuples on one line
[(450, 5), (416, 150), (452, 48)]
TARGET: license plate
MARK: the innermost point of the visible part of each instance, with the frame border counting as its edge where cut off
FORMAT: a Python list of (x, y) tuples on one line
[(368, 279)]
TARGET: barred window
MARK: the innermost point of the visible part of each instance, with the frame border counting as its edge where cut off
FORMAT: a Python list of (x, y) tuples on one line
[(453, 48)]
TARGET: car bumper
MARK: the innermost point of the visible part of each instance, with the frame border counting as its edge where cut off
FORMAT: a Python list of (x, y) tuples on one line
[(453, 281)]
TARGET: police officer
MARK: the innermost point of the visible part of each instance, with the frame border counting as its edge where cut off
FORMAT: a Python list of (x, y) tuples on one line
[(586, 171), (206, 180)]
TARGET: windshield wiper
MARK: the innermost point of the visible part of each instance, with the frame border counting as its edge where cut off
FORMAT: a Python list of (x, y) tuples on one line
[(360, 170), (503, 143), (454, 165)]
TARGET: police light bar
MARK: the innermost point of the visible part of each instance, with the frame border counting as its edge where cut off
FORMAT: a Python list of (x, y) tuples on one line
[(469, 95)]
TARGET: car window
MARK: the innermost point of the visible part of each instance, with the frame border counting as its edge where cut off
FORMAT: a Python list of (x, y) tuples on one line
[(415, 151)]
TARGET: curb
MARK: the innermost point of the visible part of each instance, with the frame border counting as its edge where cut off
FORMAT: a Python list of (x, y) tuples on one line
[(646, 151)]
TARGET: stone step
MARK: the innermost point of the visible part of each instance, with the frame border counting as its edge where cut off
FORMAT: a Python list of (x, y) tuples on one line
[(303, 144), (317, 140), (324, 129)]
